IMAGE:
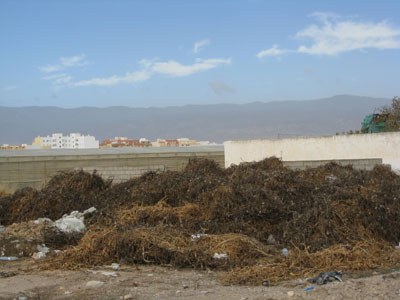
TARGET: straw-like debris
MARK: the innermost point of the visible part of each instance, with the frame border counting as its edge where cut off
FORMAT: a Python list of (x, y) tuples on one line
[(235, 219)]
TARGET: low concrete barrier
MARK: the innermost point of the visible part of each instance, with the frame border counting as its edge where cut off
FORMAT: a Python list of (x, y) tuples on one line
[(385, 146), (33, 168), (361, 164)]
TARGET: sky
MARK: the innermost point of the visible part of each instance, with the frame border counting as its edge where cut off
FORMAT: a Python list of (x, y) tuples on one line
[(74, 53)]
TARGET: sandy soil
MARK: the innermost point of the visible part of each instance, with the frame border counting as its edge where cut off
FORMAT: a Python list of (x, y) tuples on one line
[(156, 282)]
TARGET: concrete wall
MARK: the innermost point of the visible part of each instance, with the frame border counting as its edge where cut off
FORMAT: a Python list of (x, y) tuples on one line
[(18, 171), (361, 164), (342, 147)]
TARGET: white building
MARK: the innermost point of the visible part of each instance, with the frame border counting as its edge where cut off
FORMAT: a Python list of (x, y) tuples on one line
[(72, 141)]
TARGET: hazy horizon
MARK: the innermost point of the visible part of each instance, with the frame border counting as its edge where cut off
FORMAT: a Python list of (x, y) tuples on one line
[(200, 104)]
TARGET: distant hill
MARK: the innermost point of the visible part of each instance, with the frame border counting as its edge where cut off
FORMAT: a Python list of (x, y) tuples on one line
[(215, 123)]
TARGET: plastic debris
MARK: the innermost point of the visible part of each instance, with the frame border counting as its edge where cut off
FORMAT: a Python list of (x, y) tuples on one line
[(114, 266), (271, 240), (42, 252), (220, 255), (8, 258), (398, 247), (326, 277), (197, 236), (285, 252), (42, 220), (73, 223), (309, 288)]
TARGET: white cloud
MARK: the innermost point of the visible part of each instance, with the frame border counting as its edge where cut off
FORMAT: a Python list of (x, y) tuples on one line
[(334, 35), (176, 69), (274, 51), (200, 45), (65, 62), (58, 80), (54, 76), (128, 78), (151, 67), (62, 80)]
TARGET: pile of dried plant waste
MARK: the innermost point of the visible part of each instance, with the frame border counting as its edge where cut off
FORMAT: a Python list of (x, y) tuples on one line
[(236, 219)]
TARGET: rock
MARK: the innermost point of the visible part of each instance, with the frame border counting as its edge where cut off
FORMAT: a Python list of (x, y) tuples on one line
[(290, 293), (94, 284), (68, 293), (128, 297)]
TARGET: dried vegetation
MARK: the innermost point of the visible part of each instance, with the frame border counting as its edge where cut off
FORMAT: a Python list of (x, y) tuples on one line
[(330, 217)]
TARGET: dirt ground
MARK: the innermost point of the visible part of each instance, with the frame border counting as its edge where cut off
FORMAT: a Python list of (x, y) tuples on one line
[(21, 279)]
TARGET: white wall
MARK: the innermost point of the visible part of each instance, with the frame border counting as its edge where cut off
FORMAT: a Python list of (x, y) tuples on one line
[(72, 141), (357, 146)]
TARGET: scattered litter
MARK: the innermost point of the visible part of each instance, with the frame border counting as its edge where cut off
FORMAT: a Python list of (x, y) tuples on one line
[(285, 252), (326, 277), (67, 293), (73, 223), (2, 228), (332, 217), (42, 220), (220, 255), (271, 240), (309, 288), (114, 266), (42, 252), (197, 236), (331, 178), (398, 247), (290, 293), (8, 258)]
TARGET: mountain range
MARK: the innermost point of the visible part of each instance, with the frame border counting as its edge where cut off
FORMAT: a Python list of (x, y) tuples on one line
[(215, 123)]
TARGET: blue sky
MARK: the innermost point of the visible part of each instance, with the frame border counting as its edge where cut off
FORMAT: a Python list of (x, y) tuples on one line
[(162, 53)]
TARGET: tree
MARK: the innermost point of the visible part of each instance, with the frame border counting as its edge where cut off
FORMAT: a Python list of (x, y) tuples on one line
[(393, 114)]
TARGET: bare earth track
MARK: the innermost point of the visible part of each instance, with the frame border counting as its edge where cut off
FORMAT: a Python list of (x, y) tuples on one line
[(156, 282)]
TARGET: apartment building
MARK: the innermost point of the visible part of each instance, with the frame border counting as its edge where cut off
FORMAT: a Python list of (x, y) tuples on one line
[(72, 141)]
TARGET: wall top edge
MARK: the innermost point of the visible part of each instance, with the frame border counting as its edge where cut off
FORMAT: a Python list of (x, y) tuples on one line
[(342, 136)]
